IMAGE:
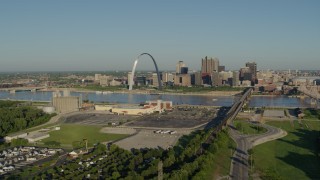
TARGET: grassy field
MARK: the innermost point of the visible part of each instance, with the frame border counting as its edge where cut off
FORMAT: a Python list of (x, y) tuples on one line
[(246, 128), (222, 160), (73, 135), (311, 113), (295, 156)]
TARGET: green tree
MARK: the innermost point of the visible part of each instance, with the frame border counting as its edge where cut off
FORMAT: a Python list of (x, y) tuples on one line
[(14, 118), (239, 126), (20, 123), (116, 175), (100, 148)]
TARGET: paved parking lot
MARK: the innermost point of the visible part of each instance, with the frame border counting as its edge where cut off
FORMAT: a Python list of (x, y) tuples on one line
[(178, 118), (149, 139), (118, 130), (97, 118), (142, 128)]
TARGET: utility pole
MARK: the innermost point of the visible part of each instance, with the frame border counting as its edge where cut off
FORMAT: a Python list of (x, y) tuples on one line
[(250, 153), (86, 141)]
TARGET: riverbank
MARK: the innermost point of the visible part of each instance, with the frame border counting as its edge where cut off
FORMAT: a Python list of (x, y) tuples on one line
[(212, 98), (210, 93)]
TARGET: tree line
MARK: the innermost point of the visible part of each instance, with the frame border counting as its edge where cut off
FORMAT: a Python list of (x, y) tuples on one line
[(190, 158), (15, 116)]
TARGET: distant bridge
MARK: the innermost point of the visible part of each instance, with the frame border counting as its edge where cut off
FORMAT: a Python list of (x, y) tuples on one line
[(228, 114), (19, 89), (237, 106), (24, 100), (311, 91)]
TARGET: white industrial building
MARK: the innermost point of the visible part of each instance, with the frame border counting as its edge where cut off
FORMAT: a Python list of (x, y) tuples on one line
[(148, 108)]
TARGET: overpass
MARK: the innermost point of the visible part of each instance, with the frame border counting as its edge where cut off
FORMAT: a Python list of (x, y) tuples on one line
[(237, 106), (227, 114), (311, 91), (19, 89)]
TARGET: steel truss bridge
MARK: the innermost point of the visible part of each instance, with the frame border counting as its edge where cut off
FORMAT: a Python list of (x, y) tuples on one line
[(311, 91)]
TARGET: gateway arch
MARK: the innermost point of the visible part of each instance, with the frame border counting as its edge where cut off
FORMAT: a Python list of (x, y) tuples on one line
[(134, 69)]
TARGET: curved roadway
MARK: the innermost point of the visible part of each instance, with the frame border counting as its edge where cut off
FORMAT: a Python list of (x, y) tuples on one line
[(239, 165)]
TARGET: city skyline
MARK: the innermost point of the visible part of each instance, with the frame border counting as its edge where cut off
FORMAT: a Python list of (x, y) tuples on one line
[(105, 36)]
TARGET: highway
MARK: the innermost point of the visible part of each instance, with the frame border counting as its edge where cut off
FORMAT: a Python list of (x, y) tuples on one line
[(239, 169), (239, 165)]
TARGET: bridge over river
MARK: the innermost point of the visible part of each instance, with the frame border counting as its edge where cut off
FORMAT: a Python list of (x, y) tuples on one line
[(20, 89), (312, 92)]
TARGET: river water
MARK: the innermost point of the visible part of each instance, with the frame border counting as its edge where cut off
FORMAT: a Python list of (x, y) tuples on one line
[(256, 101)]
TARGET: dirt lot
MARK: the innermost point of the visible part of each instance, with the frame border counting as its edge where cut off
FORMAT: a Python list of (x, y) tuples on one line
[(178, 118)]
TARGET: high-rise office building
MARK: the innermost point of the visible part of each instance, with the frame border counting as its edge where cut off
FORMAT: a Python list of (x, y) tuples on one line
[(210, 65), (141, 80), (215, 79), (129, 78), (167, 77), (206, 79), (179, 65), (225, 75), (184, 70), (197, 79), (221, 68), (182, 80), (155, 81), (253, 69), (235, 78), (245, 74)]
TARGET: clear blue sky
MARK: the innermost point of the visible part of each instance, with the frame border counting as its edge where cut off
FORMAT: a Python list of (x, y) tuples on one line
[(63, 35)]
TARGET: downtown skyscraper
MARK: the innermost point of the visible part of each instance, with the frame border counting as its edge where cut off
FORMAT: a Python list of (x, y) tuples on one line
[(209, 65)]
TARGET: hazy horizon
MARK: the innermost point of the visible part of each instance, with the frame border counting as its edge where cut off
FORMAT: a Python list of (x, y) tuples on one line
[(108, 35)]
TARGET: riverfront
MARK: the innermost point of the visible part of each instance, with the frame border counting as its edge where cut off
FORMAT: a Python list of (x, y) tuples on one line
[(177, 99), (155, 140)]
